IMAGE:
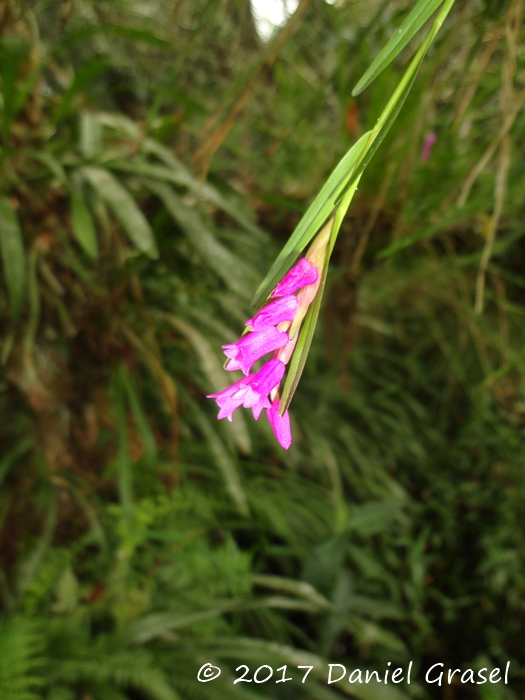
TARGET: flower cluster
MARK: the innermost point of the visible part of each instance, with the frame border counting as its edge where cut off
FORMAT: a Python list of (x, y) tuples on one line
[(272, 330)]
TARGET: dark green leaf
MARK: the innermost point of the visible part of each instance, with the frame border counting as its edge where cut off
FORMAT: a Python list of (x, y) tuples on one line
[(83, 226), (83, 78), (412, 24), (13, 255), (13, 50), (124, 207), (131, 33), (316, 215)]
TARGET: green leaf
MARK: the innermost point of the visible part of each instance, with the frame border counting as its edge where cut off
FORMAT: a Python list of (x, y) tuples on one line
[(83, 226), (124, 207), (123, 459), (13, 50), (32, 563), (13, 255), (179, 174), (22, 659), (223, 459), (9, 459), (149, 444), (239, 277), (90, 135), (158, 624), (348, 170), (371, 518), (83, 78), (289, 585), (316, 215), (306, 333), (52, 164), (131, 33), (452, 217), (213, 369), (412, 24)]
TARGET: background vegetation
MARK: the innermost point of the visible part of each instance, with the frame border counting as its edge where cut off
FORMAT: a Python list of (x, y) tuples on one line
[(155, 156)]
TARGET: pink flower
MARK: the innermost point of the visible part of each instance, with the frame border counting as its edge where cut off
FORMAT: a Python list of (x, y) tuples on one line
[(230, 398), (274, 329), (275, 312), (280, 424), (252, 346), (250, 392), (301, 274), (428, 143)]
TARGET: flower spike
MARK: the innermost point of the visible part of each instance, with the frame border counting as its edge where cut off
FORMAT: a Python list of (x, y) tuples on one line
[(272, 329)]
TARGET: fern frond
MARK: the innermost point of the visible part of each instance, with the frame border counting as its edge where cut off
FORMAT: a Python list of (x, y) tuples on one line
[(21, 660)]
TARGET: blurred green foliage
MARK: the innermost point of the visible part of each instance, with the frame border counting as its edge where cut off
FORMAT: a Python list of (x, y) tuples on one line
[(155, 157)]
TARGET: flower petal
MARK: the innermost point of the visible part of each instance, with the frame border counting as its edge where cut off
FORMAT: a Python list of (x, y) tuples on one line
[(258, 408), (231, 398), (301, 275), (268, 377), (275, 312), (280, 424), (252, 347), (250, 392)]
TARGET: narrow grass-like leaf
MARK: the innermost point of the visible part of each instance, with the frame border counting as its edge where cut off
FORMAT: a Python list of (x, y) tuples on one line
[(147, 438), (123, 459), (124, 207), (12, 51), (179, 174), (13, 255), (412, 24), (223, 458), (158, 624), (371, 518), (453, 217), (316, 215), (90, 512), (133, 34), (306, 333), (289, 585), (83, 225), (235, 272), (52, 164), (348, 170), (214, 372), (8, 459), (90, 135), (83, 78), (31, 565)]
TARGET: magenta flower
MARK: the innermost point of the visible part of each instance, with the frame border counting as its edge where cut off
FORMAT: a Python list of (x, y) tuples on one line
[(280, 424), (250, 392), (252, 346), (273, 313), (301, 275), (269, 331), (230, 398), (428, 143)]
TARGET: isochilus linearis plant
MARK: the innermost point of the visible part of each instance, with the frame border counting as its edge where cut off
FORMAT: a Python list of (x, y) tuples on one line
[(289, 298)]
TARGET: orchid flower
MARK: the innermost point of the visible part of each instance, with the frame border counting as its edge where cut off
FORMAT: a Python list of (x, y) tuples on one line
[(269, 331)]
